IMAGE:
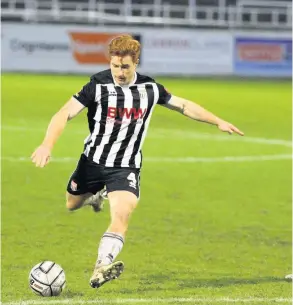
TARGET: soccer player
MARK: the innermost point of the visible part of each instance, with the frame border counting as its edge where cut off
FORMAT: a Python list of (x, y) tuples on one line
[(119, 104)]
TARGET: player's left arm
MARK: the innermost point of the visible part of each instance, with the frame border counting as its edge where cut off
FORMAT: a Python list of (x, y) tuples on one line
[(196, 112)]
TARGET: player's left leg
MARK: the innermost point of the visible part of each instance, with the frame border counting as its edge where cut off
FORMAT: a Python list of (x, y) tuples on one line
[(122, 204), (123, 195)]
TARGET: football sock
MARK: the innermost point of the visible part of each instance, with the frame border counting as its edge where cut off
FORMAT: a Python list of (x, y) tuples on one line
[(90, 200), (110, 246)]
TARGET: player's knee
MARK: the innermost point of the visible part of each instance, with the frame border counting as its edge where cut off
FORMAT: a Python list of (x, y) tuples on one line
[(123, 213), (70, 205), (120, 218), (122, 204), (72, 202)]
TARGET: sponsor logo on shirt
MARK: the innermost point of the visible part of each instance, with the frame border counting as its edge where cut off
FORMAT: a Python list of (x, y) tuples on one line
[(128, 113)]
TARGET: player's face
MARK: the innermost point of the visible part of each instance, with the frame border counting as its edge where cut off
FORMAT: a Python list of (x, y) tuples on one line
[(123, 69)]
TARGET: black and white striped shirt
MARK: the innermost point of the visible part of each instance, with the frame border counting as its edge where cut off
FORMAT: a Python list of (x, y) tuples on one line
[(118, 117)]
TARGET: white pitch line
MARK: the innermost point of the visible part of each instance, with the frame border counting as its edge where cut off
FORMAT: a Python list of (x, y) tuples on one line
[(219, 159), (174, 160), (175, 134), (193, 300)]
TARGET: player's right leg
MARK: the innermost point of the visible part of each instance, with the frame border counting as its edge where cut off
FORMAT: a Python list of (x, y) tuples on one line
[(74, 202), (96, 201), (85, 186)]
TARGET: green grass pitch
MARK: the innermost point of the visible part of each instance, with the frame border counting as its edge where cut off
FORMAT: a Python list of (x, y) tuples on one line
[(208, 230)]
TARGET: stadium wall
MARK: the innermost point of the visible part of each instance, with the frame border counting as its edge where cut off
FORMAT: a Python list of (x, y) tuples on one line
[(83, 49)]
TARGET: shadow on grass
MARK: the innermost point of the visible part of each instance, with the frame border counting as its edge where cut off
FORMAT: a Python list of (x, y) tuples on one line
[(159, 281), (68, 294), (223, 282)]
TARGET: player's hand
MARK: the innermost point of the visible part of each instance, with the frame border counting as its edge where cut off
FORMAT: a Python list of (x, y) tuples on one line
[(227, 127), (41, 156)]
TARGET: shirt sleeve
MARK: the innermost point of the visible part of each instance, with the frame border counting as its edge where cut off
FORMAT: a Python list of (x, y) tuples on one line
[(87, 94), (164, 95)]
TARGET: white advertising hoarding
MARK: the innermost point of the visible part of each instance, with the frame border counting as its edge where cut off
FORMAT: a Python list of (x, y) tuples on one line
[(188, 52), (78, 49), (47, 48)]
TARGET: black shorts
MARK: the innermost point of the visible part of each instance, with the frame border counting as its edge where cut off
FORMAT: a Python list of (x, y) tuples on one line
[(90, 177)]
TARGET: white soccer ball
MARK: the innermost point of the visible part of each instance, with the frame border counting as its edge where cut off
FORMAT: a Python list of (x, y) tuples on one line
[(47, 279)]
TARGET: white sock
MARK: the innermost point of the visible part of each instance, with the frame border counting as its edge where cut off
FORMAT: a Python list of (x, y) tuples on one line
[(90, 200), (110, 246)]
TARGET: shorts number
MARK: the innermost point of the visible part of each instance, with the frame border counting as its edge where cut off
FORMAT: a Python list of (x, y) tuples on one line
[(132, 180)]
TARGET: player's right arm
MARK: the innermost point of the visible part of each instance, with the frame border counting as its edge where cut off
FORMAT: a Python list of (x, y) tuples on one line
[(72, 108)]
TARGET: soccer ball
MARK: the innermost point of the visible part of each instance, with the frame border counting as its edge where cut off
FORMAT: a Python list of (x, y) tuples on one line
[(47, 279)]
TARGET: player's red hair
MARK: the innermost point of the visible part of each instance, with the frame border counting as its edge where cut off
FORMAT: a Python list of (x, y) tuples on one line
[(125, 45)]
